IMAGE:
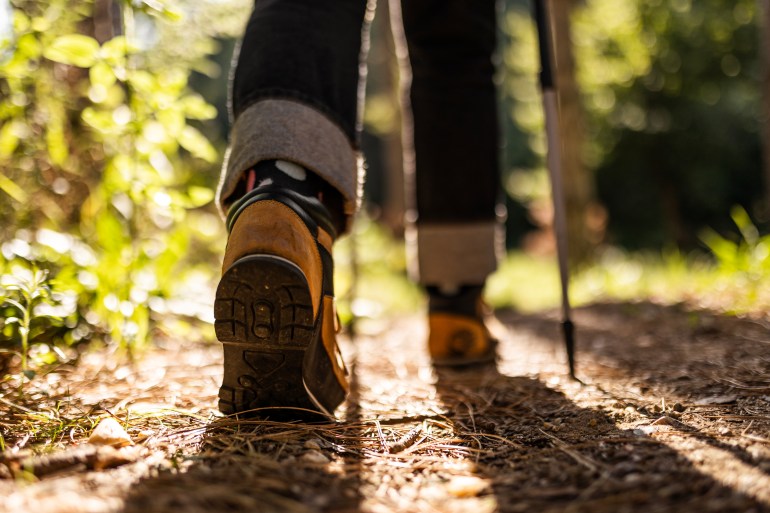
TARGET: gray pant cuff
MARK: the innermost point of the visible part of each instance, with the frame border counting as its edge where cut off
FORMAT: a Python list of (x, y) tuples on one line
[(293, 131), (454, 254)]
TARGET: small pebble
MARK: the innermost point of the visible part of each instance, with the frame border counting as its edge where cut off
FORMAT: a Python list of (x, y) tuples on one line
[(110, 432)]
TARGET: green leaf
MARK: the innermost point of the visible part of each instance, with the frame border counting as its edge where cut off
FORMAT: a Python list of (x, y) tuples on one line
[(155, 7), (12, 320), (115, 50), (100, 120), (172, 16), (195, 107), (742, 220), (21, 22), (11, 189), (110, 232), (15, 303), (723, 249), (55, 140), (199, 196), (173, 121), (143, 82), (30, 374), (9, 138), (28, 46), (196, 143), (102, 74), (41, 24), (73, 49)]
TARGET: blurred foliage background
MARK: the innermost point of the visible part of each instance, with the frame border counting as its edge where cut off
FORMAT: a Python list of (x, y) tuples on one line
[(113, 121)]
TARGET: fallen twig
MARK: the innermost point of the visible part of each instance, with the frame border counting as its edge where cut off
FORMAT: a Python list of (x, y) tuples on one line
[(91, 457), (405, 441)]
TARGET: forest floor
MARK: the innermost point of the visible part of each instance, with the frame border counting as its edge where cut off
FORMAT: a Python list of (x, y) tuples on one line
[(673, 415)]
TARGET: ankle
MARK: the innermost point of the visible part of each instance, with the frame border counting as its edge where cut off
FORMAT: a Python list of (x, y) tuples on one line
[(282, 175), (462, 300)]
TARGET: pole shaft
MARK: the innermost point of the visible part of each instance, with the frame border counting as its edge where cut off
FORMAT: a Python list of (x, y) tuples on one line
[(551, 107), (551, 110)]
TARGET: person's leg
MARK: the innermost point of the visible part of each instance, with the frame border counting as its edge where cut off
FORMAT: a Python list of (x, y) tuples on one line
[(456, 231), (295, 93), (288, 187)]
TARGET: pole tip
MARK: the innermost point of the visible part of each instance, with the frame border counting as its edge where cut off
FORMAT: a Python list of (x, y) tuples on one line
[(568, 329)]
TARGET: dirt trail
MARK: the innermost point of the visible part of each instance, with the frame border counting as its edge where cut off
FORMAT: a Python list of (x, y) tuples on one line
[(673, 415)]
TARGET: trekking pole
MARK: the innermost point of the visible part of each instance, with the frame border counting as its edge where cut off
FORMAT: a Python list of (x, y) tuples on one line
[(551, 108)]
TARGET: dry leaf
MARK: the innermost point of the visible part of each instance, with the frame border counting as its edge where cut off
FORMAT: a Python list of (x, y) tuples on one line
[(110, 432), (665, 421)]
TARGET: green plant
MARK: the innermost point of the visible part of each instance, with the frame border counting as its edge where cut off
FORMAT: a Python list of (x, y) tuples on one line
[(749, 256), (26, 290), (108, 176)]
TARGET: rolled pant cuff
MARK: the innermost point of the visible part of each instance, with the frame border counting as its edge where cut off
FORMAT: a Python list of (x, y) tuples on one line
[(452, 254), (293, 131)]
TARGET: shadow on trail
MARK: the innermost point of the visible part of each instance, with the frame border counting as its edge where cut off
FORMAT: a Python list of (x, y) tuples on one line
[(561, 457), (260, 466), (642, 352), (639, 353), (685, 353)]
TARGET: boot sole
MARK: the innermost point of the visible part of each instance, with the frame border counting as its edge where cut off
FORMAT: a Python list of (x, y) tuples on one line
[(264, 318)]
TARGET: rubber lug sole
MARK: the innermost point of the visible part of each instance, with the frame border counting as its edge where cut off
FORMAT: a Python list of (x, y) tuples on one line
[(264, 318)]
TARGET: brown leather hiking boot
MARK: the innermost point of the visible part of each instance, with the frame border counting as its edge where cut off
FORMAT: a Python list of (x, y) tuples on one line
[(274, 309), (457, 335)]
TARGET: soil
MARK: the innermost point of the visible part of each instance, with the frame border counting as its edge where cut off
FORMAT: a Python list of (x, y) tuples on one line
[(672, 414)]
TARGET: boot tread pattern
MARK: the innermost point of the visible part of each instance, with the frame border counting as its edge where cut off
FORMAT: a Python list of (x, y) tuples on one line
[(264, 317)]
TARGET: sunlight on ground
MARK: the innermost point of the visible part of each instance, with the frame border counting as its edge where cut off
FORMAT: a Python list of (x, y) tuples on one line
[(530, 283)]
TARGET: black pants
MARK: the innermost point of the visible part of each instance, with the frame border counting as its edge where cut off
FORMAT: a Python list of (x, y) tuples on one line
[(296, 95), (310, 50)]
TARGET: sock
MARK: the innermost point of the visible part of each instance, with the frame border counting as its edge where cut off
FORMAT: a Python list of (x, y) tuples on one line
[(463, 300), (283, 174)]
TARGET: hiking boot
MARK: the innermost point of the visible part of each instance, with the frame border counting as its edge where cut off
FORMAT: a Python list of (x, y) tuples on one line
[(274, 309), (457, 335)]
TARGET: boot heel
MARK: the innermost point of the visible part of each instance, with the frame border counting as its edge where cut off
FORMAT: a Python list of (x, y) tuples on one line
[(264, 318)]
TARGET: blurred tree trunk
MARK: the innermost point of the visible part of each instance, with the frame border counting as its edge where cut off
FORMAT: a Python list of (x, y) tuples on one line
[(107, 22), (578, 185), (764, 49)]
